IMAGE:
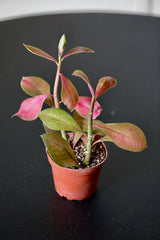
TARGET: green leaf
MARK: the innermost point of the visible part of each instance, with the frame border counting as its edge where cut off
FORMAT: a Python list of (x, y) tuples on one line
[(125, 135), (83, 123), (58, 119), (47, 130), (35, 86), (40, 53), (104, 84), (59, 149), (69, 93), (77, 50)]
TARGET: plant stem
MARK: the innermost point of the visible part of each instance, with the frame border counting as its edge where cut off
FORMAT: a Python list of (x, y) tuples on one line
[(56, 84), (55, 92), (89, 141)]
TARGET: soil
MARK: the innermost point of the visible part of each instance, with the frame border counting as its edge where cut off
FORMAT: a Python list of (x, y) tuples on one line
[(97, 156)]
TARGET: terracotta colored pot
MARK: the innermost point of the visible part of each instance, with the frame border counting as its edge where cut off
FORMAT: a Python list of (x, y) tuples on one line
[(75, 184)]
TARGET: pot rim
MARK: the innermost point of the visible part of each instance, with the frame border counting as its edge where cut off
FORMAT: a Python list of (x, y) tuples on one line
[(80, 170)]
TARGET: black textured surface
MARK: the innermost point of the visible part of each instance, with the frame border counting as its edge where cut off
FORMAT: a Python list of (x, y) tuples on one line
[(127, 203)]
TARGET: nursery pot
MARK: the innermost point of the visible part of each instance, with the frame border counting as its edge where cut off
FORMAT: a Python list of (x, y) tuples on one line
[(75, 184)]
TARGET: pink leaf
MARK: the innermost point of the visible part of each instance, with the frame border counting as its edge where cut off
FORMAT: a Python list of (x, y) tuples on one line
[(125, 135), (83, 107), (40, 53), (31, 107), (78, 50), (69, 93), (104, 84), (79, 73)]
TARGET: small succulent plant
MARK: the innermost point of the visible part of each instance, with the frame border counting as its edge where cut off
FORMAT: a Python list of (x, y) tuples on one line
[(58, 123)]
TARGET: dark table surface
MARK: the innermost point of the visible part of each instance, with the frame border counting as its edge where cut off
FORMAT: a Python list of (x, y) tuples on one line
[(127, 203)]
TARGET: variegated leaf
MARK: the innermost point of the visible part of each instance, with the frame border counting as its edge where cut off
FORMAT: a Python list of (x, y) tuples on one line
[(31, 107), (40, 53), (69, 93), (104, 84), (77, 50), (83, 107), (35, 86), (125, 135), (82, 75)]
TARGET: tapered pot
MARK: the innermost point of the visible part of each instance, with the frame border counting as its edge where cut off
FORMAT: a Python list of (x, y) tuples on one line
[(75, 184)]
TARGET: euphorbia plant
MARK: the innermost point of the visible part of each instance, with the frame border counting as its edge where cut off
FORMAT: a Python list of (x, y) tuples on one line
[(83, 123)]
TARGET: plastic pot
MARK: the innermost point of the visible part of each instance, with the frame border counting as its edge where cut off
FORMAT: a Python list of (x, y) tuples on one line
[(75, 184)]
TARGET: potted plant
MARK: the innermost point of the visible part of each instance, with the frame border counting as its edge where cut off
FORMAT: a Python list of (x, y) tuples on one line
[(74, 141)]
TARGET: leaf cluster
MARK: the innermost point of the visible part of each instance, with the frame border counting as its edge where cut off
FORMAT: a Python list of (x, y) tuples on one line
[(81, 121)]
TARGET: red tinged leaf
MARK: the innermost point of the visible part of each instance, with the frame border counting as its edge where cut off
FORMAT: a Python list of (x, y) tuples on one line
[(77, 50), (83, 107), (79, 73), (69, 93), (76, 137), (125, 135), (35, 86), (40, 53), (84, 139), (104, 84), (31, 107)]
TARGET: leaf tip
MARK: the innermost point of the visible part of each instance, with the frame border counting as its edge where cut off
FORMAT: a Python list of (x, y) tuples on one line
[(42, 135), (74, 72), (25, 45), (14, 115)]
